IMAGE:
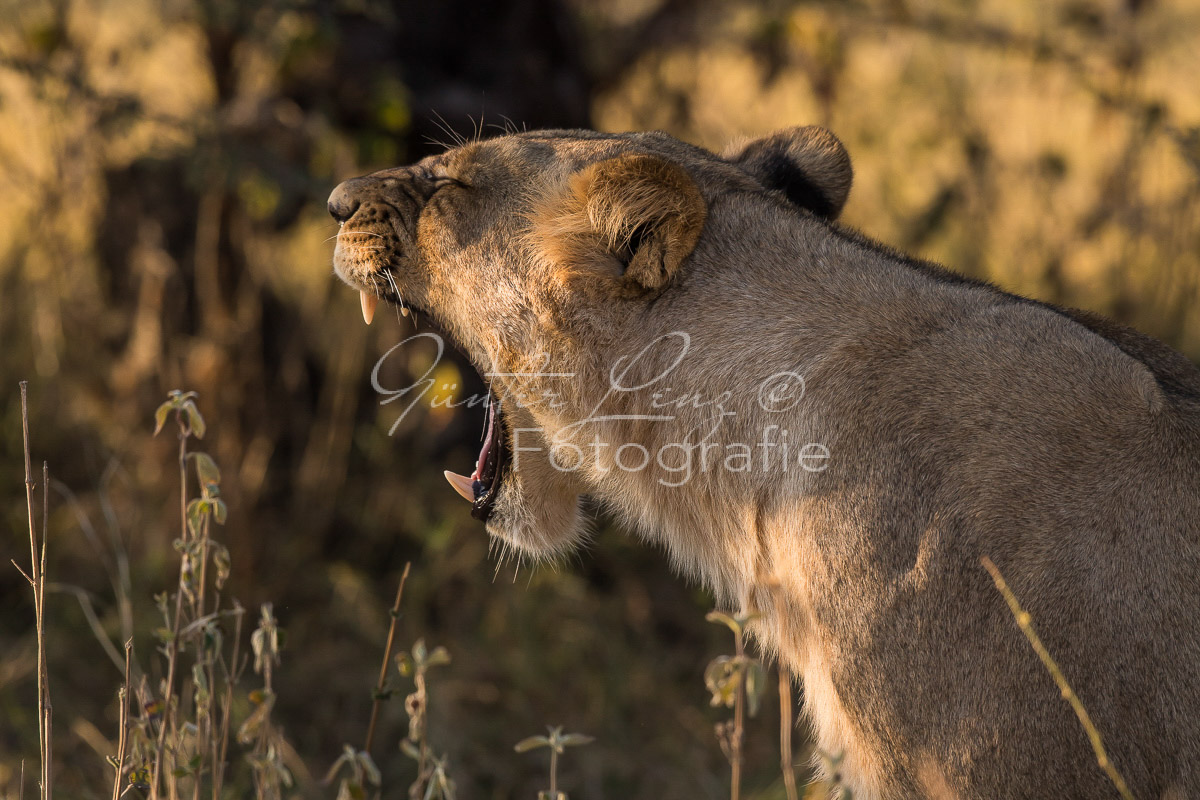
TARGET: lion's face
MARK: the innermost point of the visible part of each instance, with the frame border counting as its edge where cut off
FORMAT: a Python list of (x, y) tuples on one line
[(538, 253)]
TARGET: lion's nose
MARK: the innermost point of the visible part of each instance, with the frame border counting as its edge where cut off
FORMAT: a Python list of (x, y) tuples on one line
[(343, 202)]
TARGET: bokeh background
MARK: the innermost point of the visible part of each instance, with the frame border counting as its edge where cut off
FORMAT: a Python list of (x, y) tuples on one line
[(163, 173)]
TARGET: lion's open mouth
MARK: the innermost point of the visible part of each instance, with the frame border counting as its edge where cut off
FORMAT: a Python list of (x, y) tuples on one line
[(483, 485)]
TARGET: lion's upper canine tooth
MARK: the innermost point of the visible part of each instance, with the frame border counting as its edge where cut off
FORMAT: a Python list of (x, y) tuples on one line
[(462, 485), (404, 310), (368, 305)]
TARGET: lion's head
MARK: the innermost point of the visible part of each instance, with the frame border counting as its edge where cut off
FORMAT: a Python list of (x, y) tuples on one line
[(542, 254)]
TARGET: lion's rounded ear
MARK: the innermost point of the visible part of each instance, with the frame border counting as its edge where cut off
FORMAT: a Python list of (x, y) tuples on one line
[(637, 213), (809, 165)]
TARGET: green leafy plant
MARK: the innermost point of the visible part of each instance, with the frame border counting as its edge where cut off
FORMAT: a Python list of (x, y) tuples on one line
[(271, 776), (736, 682), (355, 770), (557, 743), (187, 727), (179, 740), (432, 781)]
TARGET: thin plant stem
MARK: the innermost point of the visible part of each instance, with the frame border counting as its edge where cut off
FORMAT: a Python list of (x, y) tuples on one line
[(387, 659), (424, 749), (231, 677), (172, 656), (47, 775), (203, 722), (553, 773), (47, 772), (785, 733), (1024, 622), (123, 716), (37, 580), (34, 580), (739, 722)]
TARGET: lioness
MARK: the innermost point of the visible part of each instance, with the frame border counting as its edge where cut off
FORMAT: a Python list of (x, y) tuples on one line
[(827, 433)]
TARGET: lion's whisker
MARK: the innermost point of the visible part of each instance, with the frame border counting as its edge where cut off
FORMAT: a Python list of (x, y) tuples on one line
[(449, 131)]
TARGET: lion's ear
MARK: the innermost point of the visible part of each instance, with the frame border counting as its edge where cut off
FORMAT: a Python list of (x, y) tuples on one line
[(809, 165), (637, 214)]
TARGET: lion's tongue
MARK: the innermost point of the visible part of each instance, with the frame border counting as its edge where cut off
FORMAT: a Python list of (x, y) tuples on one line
[(464, 485), (487, 443)]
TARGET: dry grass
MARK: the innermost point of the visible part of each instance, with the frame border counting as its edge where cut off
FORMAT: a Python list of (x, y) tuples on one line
[(178, 745)]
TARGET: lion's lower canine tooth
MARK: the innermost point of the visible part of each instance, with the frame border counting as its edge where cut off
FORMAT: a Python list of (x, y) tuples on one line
[(368, 306), (461, 484)]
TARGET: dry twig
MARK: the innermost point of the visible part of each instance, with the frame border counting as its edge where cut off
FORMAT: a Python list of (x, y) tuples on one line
[(1024, 622), (387, 659), (37, 580)]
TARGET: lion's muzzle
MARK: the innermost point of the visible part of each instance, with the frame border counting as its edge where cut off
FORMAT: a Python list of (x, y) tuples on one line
[(377, 217)]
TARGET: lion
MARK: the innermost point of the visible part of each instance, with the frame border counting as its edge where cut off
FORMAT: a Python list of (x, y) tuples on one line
[(828, 434)]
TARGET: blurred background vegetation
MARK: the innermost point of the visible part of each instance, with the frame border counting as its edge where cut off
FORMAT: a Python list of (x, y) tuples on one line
[(164, 166)]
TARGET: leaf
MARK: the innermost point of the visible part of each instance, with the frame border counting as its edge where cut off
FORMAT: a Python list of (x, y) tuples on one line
[(212, 639), (200, 680), (254, 723), (438, 657), (722, 678), (347, 757), (220, 512), (404, 663), (161, 601), (724, 619), (368, 766), (755, 684), (525, 745), (196, 510), (195, 421), (257, 642), (409, 749), (576, 739), (206, 469), (220, 556), (161, 414), (419, 653)]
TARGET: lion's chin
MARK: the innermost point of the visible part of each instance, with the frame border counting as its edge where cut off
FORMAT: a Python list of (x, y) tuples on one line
[(538, 510), (541, 528)]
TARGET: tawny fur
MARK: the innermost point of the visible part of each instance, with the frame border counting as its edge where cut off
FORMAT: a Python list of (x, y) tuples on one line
[(959, 422)]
